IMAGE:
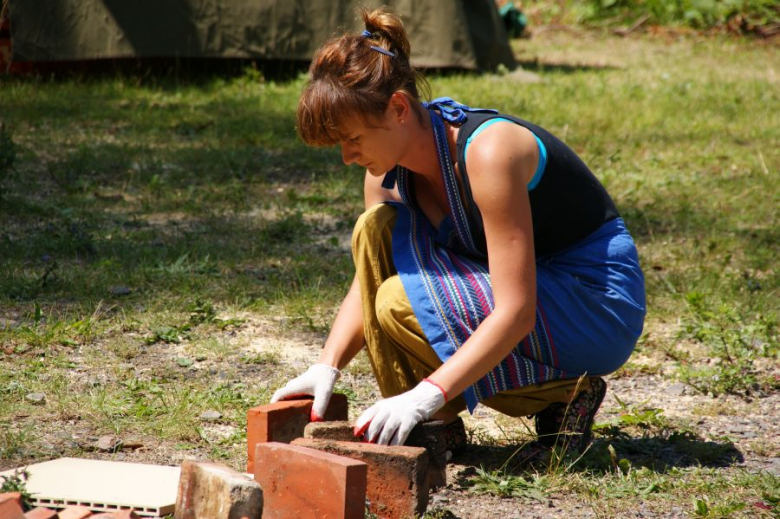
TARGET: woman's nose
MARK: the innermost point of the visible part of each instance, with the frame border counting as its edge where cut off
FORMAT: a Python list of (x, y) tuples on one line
[(348, 154)]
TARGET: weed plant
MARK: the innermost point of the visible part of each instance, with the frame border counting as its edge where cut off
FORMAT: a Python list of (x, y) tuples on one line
[(739, 15)]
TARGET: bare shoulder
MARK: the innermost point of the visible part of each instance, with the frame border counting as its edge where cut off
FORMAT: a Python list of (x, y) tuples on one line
[(503, 147), (374, 193)]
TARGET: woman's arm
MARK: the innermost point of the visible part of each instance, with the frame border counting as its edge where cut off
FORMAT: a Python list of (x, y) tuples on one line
[(346, 335), (500, 162)]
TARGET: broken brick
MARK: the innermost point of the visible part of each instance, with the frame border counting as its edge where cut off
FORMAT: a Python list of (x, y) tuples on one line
[(11, 506), (215, 491), (41, 513), (284, 421), (397, 476), (74, 512), (336, 431), (121, 514), (309, 484)]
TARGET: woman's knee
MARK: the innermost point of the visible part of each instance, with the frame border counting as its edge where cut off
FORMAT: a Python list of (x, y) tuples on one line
[(391, 304), (372, 223)]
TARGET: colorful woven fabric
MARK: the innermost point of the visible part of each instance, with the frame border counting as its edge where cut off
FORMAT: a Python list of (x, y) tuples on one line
[(457, 291), (590, 298)]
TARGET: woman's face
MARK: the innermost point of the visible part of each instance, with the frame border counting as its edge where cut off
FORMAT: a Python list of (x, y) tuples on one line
[(377, 145)]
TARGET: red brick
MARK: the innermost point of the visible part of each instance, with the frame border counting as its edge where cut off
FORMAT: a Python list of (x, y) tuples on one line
[(309, 484), (284, 421), (41, 513), (430, 435), (11, 506), (397, 476), (74, 512), (215, 491), (122, 514)]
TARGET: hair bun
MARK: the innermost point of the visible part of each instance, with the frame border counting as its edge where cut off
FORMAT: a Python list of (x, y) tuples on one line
[(387, 28)]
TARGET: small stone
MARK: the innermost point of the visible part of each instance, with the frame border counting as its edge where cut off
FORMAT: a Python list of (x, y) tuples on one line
[(439, 500), (107, 443), (120, 290), (14, 387), (36, 398), (132, 444), (210, 416), (8, 324), (184, 362), (677, 389)]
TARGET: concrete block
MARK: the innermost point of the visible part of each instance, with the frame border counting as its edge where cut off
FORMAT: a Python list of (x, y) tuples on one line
[(214, 491), (397, 476), (285, 421), (309, 484), (11, 505)]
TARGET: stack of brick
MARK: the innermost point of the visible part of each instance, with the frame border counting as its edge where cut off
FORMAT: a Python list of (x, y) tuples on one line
[(430, 435), (300, 469), (11, 508), (330, 474)]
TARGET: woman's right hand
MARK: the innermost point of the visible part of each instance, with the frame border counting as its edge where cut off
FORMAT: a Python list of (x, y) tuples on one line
[(318, 381)]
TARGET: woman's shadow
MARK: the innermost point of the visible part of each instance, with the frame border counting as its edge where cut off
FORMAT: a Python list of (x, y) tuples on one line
[(611, 450)]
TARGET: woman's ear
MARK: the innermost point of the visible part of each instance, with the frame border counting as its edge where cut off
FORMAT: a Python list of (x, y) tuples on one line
[(399, 108)]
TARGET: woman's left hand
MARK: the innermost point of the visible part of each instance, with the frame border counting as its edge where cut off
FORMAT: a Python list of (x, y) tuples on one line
[(390, 421)]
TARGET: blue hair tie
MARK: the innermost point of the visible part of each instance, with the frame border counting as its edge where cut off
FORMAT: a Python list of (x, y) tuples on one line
[(367, 34)]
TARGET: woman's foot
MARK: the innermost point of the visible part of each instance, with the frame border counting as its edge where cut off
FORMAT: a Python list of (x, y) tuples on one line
[(569, 425)]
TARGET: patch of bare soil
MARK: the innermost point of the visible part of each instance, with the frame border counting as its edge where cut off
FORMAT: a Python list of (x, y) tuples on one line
[(727, 433)]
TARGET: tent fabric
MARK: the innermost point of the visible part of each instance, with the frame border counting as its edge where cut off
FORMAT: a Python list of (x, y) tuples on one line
[(467, 34)]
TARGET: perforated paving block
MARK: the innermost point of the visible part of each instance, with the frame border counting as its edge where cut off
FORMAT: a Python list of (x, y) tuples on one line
[(103, 486)]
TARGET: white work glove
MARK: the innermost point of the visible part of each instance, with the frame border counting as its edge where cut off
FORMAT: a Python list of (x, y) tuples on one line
[(390, 421), (318, 381)]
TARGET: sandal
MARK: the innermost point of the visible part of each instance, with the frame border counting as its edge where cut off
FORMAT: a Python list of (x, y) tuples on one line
[(569, 425)]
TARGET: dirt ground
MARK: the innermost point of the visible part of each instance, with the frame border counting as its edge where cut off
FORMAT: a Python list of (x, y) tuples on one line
[(745, 431)]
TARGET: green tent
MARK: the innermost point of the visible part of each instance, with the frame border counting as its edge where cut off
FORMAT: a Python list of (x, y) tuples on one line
[(465, 34)]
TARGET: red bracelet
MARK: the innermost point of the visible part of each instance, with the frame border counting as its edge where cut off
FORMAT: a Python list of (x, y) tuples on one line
[(438, 386)]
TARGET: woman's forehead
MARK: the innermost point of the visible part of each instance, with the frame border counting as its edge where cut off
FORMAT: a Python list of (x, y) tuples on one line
[(351, 124)]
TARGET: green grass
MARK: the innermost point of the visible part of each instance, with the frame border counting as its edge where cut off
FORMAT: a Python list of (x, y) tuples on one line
[(149, 221)]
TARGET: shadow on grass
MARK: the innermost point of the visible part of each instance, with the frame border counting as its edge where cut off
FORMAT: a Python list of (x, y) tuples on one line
[(657, 453), (535, 65), (167, 73)]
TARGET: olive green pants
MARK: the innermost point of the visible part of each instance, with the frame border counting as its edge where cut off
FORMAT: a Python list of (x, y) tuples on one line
[(398, 350)]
